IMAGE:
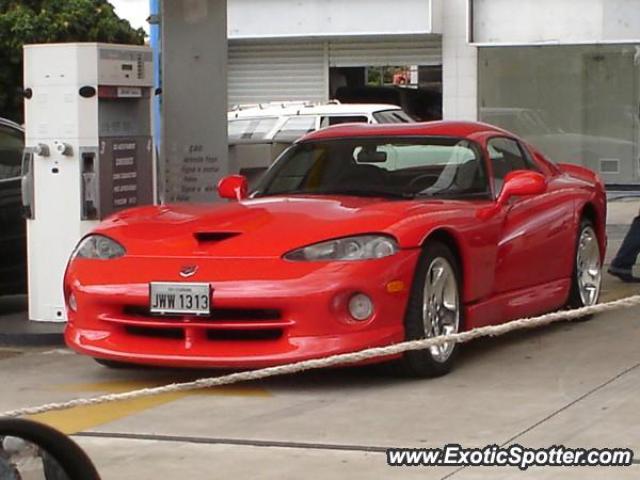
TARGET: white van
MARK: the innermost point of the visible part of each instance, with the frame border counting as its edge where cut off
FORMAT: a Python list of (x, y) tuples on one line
[(259, 133)]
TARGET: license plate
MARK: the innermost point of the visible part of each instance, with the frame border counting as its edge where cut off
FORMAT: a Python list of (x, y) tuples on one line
[(179, 298)]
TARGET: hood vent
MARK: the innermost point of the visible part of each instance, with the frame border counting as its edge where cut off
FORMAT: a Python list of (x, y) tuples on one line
[(211, 237)]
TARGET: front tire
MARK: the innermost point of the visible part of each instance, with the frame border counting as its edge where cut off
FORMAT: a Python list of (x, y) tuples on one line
[(434, 309), (587, 270)]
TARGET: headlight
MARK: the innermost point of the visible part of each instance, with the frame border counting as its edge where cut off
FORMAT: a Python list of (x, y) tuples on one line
[(98, 247), (361, 247)]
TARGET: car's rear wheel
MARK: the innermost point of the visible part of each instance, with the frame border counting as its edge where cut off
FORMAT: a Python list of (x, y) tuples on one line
[(587, 271), (434, 309)]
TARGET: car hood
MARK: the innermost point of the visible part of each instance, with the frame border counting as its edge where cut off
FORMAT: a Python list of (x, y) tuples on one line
[(259, 227)]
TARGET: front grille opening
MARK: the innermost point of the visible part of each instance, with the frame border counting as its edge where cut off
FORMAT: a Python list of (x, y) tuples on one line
[(244, 314), (231, 335), (166, 333), (138, 311), (217, 314)]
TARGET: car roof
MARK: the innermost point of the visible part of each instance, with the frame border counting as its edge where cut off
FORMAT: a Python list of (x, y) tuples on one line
[(293, 109), (9, 123), (442, 128)]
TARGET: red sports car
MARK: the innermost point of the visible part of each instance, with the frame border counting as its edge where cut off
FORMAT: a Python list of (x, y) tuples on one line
[(358, 236)]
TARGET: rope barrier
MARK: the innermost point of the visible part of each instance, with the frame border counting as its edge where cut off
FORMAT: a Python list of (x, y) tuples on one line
[(335, 360)]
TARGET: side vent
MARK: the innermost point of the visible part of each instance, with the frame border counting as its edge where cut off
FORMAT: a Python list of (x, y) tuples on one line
[(212, 237), (609, 165), (140, 65)]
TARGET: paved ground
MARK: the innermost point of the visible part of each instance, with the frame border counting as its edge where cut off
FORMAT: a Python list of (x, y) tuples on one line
[(574, 384)]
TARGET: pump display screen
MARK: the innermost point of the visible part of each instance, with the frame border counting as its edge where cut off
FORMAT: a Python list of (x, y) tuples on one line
[(127, 67)]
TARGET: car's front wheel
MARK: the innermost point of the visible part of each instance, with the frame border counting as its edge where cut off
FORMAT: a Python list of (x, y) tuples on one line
[(434, 309)]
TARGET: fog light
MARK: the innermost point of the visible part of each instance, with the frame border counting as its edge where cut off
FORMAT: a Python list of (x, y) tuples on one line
[(73, 304), (360, 307)]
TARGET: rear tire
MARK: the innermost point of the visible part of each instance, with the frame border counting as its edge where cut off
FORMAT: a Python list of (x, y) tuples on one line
[(434, 309), (586, 280)]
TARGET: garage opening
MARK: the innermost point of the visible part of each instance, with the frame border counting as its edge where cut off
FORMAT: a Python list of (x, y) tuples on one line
[(417, 89), (404, 71)]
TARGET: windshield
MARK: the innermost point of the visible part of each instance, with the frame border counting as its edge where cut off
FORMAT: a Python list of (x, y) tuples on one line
[(393, 167)]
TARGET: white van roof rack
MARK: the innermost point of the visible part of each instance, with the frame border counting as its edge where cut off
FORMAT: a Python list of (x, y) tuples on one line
[(283, 104)]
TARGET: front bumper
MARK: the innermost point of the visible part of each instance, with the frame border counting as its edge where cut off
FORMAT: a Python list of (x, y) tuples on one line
[(265, 311)]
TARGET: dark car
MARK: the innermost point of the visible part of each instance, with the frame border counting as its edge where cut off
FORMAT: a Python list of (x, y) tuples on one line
[(13, 248)]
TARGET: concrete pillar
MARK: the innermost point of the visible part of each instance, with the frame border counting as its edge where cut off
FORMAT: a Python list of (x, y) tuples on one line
[(194, 98), (460, 64)]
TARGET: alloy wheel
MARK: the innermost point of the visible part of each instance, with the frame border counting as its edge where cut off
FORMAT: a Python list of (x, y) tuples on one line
[(588, 267), (441, 306)]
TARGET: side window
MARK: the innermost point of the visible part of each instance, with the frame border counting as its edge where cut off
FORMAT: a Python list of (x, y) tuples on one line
[(528, 158), (250, 129), (11, 146), (506, 156), (392, 116), (329, 121), (296, 127)]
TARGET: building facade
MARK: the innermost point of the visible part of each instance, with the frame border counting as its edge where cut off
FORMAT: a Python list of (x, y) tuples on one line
[(564, 74)]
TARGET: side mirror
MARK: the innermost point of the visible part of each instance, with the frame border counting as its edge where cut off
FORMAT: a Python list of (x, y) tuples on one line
[(233, 187), (32, 450), (521, 183)]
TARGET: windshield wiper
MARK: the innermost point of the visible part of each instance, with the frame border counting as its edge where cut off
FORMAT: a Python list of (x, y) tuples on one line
[(449, 194), (362, 192), (343, 191)]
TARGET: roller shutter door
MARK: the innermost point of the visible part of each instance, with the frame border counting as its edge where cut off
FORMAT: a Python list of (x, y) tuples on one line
[(265, 72), (422, 50)]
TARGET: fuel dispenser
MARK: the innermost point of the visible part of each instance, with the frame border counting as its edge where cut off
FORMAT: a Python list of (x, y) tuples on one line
[(88, 152)]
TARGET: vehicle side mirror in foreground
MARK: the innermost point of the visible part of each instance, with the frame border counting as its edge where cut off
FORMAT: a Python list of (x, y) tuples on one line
[(521, 183), (32, 450), (233, 187)]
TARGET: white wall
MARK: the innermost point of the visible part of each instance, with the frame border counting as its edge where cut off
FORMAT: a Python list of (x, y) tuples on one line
[(459, 63), (555, 21), (319, 18)]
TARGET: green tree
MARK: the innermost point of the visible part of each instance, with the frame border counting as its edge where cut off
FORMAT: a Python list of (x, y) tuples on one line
[(47, 21)]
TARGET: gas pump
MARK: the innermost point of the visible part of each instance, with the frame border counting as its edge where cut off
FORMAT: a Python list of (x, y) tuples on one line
[(88, 152)]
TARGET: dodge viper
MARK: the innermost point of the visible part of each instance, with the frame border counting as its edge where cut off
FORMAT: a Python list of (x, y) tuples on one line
[(357, 236)]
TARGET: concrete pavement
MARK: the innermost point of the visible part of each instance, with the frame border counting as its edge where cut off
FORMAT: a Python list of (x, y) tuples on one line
[(574, 384), (16, 330)]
